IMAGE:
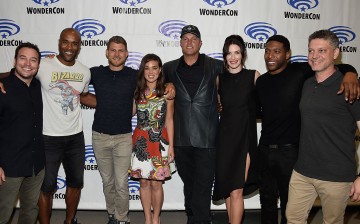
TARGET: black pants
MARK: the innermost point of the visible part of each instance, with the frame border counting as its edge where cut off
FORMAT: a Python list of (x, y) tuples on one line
[(275, 172), (196, 169)]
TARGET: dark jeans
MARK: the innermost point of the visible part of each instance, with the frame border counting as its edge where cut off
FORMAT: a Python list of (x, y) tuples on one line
[(276, 168), (196, 168), (68, 150)]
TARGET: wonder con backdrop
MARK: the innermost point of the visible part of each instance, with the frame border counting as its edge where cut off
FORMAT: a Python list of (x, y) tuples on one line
[(153, 26)]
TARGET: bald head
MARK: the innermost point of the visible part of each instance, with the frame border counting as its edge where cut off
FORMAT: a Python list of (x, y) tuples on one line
[(69, 46)]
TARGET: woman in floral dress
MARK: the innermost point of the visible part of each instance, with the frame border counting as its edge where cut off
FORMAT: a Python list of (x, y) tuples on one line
[(153, 136)]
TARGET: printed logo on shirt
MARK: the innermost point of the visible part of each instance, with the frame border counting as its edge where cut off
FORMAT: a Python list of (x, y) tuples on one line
[(8, 29), (171, 30), (134, 59), (134, 190), (45, 7), (69, 97), (90, 161), (345, 35), (220, 10), (259, 31), (298, 58), (89, 29), (60, 186), (302, 6), (216, 56), (134, 7)]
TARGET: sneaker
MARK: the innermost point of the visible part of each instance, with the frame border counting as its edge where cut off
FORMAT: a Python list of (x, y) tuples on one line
[(73, 221), (112, 219)]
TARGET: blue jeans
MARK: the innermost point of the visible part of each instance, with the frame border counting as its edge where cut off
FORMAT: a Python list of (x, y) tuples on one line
[(196, 167), (275, 172)]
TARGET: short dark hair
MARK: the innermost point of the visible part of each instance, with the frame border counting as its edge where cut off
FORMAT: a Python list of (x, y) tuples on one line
[(118, 40), (280, 39), (28, 45), (237, 40), (326, 35)]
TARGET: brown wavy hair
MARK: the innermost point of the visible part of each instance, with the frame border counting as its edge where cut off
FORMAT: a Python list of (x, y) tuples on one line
[(141, 82)]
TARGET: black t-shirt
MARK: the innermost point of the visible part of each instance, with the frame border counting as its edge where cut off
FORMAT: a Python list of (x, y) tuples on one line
[(114, 96), (191, 76), (279, 97)]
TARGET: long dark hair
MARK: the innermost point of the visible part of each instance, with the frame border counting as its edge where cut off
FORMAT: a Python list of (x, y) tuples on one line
[(141, 82), (237, 40)]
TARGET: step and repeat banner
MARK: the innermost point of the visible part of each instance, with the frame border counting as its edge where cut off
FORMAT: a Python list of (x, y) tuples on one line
[(154, 26)]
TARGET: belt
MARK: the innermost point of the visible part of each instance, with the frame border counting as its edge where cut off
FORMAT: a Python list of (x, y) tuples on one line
[(276, 146)]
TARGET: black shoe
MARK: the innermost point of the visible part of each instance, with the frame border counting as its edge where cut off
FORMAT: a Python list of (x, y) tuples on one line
[(73, 221), (112, 219)]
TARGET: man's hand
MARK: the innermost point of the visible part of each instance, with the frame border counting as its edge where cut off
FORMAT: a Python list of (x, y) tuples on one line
[(355, 190), (2, 88), (350, 87), (2, 176), (170, 91)]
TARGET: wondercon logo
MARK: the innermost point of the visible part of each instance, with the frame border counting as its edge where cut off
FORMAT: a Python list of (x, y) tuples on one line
[(132, 2), (219, 3), (44, 54), (298, 58), (260, 31), (45, 2), (133, 123), (303, 5), (172, 28), (8, 28), (134, 60), (91, 89), (216, 56), (344, 33), (89, 28), (89, 154), (134, 186), (60, 183)]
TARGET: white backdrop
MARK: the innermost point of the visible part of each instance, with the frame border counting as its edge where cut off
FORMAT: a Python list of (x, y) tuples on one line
[(153, 26)]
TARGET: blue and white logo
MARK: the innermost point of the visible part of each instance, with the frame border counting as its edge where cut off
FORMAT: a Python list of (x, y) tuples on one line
[(45, 2), (344, 33), (219, 3), (303, 5), (89, 154), (133, 123), (91, 89), (134, 60), (298, 58), (89, 27), (216, 56), (60, 183), (260, 31), (134, 186), (172, 28), (8, 28), (132, 2), (47, 53)]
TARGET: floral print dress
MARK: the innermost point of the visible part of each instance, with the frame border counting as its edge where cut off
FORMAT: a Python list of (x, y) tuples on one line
[(150, 140)]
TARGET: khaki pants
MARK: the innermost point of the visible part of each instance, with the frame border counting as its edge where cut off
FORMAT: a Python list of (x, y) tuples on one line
[(113, 157), (28, 189), (304, 190)]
